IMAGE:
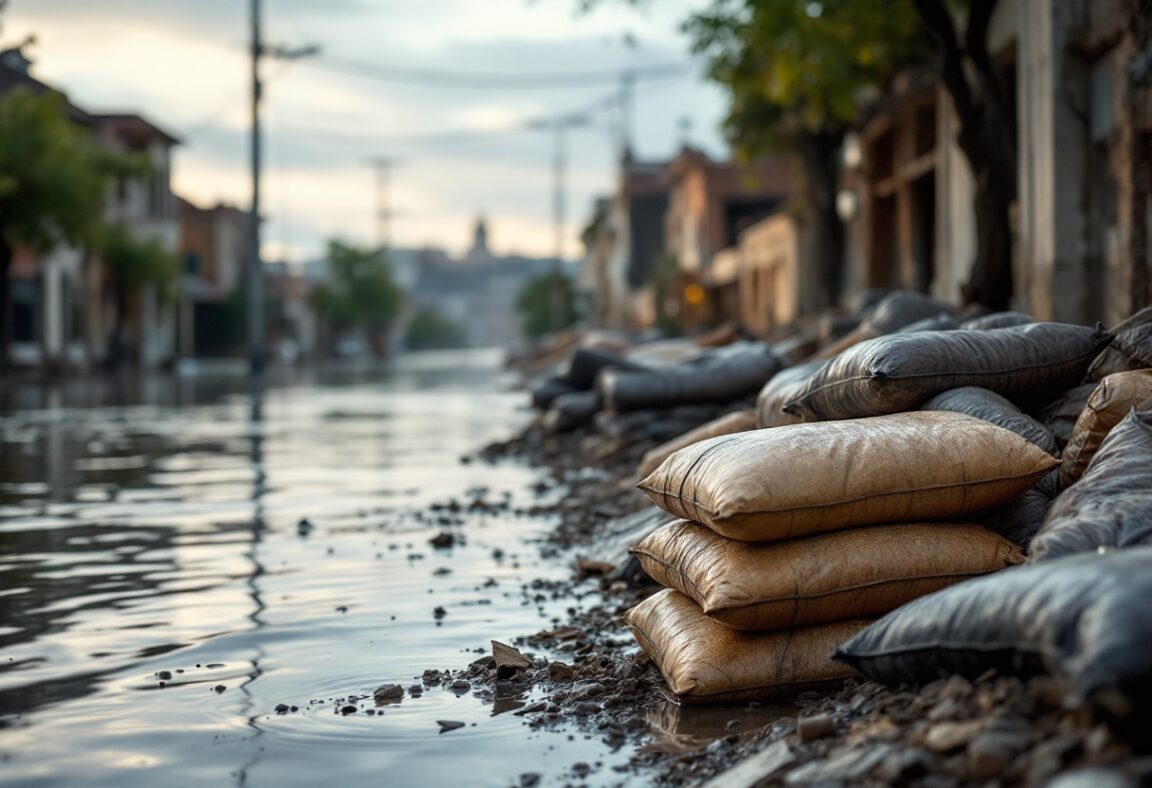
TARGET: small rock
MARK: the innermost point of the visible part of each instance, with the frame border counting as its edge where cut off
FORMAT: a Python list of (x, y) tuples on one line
[(816, 727), (442, 540), (508, 660), (164, 675), (304, 527), (586, 707), (529, 780), (948, 736), (387, 693), (449, 725), (415, 690), (439, 613), (460, 686), (1093, 777), (558, 671), (281, 708), (904, 765), (988, 756), (219, 688), (635, 723), (349, 709)]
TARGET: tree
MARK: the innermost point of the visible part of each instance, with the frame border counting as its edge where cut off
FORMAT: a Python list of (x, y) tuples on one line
[(428, 329), (359, 293), (52, 182), (796, 72), (987, 137), (134, 262), (546, 303)]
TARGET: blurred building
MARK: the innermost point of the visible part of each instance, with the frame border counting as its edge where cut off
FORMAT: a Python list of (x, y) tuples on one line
[(1080, 220), (62, 308), (214, 250)]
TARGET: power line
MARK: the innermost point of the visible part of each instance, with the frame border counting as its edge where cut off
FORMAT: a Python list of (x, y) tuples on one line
[(494, 80)]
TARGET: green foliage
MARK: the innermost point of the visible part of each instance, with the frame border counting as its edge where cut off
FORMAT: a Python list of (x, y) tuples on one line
[(546, 303), (134, 261), (52, 176), (359, 291), (429, 329), (794, 66)]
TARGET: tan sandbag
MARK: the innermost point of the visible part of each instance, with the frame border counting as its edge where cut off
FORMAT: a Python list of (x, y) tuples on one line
[(860, 573), (799, 479), (728, 424), (1110, 402), (703, 661)]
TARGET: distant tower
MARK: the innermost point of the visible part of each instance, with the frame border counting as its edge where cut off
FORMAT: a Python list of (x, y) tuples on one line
[(479, 252)]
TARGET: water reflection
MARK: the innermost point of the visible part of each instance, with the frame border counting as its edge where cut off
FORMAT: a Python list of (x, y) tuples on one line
[(157, 599)]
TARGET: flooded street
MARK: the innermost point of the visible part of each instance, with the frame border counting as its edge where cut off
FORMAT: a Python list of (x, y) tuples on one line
[(161, 595)]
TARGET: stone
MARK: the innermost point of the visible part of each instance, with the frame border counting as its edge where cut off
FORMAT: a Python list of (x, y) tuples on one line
[(442, 540), (948, 736), (558, 671), (508, 660), (1095, 777), (815, 727), (849, 764), (988, 756), (388, 693), (752, 771), (449, 725)]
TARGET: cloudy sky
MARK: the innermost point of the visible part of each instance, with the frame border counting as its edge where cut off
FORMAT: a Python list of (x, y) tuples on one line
[(460, 149)]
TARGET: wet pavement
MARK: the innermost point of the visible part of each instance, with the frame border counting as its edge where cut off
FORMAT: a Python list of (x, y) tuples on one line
[(172, 571)]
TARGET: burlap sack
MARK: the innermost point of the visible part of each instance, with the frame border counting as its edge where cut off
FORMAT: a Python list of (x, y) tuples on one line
[(860, 573), (729, 424), (1110, 402), (706, 662), (899, 372), (789, 481)]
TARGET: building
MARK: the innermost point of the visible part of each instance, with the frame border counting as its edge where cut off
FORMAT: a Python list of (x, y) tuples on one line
[(214, 251), (1081, 242)]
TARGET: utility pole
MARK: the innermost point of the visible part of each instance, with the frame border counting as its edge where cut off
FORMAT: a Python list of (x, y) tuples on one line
[(255, 265), (255, 278), (627, 83), (383, 167)]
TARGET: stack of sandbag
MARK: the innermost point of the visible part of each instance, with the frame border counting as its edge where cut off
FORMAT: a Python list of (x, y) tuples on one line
[(791, 539)]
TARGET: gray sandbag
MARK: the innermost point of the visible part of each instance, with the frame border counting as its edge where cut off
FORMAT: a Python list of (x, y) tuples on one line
[(991, 407), (586, 363), (1111, 505), (1060, 415), (659, 425), (997, 320), (1019, 520), (546, 390), (1085, 619), (571, 410), (904, 307), (941, 322), (900, 372), (779, 390), (1131, 348), (720, 375)]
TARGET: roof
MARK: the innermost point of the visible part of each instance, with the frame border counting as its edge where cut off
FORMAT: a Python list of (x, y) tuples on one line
[(134, 129), (14, 74)]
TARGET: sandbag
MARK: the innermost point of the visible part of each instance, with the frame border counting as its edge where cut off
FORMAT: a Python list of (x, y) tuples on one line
[(1111, 505), (797, 347), (941, 322), (900, 372), (546, 390), (722, 375), (703, 661), (860, 573), (768, 485), (658, 426), (737, 421), (1060, 415), (571, 410), (1085, 619), (1131, 348), (1110, 401), (991, 407), (997, 320), (586, 363), (1019, 520), (781, 388), (904, 307)]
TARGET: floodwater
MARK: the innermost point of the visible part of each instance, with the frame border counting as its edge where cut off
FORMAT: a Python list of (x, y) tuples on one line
[(153, 530)]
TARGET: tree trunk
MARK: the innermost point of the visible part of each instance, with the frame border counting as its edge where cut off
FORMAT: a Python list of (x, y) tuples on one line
[(5, 300), (820, 155), (987, 139)]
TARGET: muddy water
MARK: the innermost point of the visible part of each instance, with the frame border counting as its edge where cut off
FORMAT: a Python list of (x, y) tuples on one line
[(153, 530)]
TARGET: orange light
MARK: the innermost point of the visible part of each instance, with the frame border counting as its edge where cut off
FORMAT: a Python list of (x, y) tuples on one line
[(693, 295)]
